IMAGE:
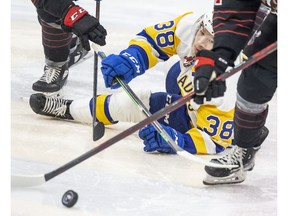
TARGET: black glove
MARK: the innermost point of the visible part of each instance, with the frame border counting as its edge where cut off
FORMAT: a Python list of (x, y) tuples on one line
[(86, 27), (208, 67)]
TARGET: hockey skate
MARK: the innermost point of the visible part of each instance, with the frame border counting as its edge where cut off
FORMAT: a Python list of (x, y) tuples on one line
[(54, 78), (244, 158), (50, 106), (77, 53)]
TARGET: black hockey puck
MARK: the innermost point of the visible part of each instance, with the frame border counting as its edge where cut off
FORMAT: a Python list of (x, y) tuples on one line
[(69, 198)]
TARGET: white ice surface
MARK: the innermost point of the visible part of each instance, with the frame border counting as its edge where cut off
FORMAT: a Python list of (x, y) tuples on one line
[(123, 179)]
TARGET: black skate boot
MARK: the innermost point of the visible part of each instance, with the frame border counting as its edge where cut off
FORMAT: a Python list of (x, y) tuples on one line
[(77, 52), (53, 79), (50, 106), (244, 158)]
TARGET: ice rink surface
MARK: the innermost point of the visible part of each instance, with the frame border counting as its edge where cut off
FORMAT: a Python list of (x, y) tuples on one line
[(122, 180)]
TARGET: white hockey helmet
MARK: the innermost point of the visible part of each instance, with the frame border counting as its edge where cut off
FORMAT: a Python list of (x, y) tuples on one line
[(206, 21)]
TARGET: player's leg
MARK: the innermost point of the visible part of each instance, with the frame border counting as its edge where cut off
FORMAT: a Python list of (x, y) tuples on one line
[(256, 87), (56, 45), (249, 123), (77, 52), (61, 51), (178, 119), (110, 108)]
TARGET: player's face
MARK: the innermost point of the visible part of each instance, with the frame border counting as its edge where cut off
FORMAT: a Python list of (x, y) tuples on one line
[(203, 40)]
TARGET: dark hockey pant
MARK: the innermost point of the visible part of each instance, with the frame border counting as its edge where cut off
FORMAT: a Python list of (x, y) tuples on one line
[(256, 85), (55, 41)]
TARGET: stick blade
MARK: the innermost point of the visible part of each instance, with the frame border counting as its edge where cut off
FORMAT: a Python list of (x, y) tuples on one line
[(98, 130), (27, 181), (199, 160)]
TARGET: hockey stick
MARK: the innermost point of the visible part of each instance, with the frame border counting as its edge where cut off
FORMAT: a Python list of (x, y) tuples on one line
[(98, 127), (253, 59), (139, 103), (34, 180), (147, 113)]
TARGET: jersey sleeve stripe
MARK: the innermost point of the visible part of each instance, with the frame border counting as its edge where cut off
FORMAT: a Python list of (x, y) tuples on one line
[(162, 55), (232, 32)]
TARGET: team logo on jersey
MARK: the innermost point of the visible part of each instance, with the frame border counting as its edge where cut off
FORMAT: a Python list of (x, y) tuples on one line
[(189, 60), (134, 60), (218, 2)]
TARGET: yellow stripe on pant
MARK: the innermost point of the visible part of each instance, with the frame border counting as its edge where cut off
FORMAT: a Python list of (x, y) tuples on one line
[(100, 109)]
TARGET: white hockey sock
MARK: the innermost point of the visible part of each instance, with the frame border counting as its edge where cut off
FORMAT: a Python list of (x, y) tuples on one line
[(80, 110), (122, 108)]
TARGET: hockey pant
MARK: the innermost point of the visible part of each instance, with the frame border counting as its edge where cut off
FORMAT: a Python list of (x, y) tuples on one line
[(256, 87), (119, 107), (55, 41)]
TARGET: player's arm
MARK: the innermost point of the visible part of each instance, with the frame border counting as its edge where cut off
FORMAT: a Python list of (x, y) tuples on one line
[(154, 44), (194, 141), (159, 42)]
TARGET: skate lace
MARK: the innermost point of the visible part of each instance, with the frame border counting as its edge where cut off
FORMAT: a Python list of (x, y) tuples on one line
[(234, 158), (55, 106), (50, 74)]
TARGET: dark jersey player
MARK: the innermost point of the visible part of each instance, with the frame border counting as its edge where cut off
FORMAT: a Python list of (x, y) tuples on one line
[(66, 31), (234, 24)]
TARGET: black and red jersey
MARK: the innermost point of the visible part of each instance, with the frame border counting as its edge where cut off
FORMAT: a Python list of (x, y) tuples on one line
[(53, 7), (233, 22)]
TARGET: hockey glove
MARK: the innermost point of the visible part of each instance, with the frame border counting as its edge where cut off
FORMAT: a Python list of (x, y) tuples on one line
[(208, 67), (86, 27), (127, 65), (154, 142)]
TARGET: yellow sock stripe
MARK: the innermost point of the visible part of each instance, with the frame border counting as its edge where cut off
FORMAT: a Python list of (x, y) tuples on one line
[(100, 110), (198, 140)]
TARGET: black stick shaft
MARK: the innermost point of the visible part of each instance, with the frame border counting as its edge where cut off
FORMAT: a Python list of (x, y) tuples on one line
[(120, 136), (173, 106), (97, 127), (253, 59)]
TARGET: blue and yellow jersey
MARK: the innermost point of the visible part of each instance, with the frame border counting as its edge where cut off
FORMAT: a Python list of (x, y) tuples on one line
[(211, 123), (166, 39), (217, 124)]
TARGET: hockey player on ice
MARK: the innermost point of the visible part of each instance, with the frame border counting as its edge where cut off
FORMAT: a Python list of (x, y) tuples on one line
[(236, 20), (66, 31), (205, 129)]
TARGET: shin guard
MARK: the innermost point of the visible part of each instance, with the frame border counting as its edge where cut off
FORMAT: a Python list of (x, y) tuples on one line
[(56, 42), (248, 128), (102, 110)]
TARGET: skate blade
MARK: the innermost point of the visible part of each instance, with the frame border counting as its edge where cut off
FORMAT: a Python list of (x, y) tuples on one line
[(86, 57), (234, 178), (58, 94)]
